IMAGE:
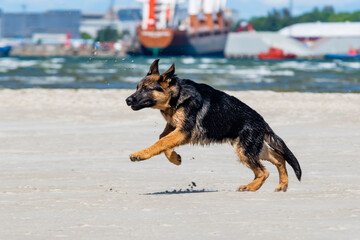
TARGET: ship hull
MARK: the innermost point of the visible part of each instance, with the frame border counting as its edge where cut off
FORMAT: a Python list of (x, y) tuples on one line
[(202, 44), (342, 56), (4, 51)]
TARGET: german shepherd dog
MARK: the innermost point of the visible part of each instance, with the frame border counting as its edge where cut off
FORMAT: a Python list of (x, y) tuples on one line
[(199, 114)]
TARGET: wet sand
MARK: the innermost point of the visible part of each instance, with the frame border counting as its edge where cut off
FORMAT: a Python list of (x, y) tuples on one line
[(65, 171)]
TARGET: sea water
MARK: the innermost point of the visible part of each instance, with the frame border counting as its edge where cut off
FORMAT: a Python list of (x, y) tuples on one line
[(221, 73)]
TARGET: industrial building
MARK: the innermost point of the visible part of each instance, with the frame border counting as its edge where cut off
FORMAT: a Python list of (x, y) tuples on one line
[(316, 30), (249, 44), (121, 19), (24, 25), (303, 39), (73, 22)]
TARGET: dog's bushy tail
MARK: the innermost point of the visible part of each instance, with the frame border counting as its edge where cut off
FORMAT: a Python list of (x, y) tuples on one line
[(280, 147)]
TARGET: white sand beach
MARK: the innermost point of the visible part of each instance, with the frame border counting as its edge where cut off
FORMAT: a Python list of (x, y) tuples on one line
[(65, 171)]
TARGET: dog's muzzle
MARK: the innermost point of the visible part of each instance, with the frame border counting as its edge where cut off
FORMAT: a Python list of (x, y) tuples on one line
[(130, 100)]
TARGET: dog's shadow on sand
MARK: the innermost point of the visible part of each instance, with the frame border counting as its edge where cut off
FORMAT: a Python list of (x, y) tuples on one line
[(181, 191)]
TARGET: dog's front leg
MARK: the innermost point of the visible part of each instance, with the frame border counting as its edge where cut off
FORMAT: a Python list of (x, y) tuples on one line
[(170, 154), (173, 139)]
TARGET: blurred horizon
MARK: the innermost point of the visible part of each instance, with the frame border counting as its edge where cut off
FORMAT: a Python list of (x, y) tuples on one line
[(246, 8)]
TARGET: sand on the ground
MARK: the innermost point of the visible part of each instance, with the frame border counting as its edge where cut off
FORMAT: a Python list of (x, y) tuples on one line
[(65, 171)]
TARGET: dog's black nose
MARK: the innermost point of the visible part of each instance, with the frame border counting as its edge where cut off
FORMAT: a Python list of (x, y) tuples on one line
[(130, 100)]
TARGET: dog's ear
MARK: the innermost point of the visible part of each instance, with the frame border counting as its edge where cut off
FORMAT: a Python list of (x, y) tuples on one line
[(169, 73), (154, 68), (166, 77)]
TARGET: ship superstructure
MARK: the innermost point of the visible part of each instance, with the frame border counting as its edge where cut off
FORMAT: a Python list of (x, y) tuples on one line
[(167, 30)]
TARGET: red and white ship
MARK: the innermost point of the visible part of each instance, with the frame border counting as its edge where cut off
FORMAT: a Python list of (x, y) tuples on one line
[(203, 30)]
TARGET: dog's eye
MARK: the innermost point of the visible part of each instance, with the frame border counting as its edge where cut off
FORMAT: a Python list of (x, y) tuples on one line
[(159, 89)]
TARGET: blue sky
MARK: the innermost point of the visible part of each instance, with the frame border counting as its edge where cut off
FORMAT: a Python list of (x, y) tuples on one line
[(246, 8)]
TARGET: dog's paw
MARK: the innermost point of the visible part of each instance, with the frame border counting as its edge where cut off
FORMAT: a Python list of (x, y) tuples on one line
[(281, 188), (243, 188), (246, 188), (176, 160), (140, 156), (173, 157), (135, 158)]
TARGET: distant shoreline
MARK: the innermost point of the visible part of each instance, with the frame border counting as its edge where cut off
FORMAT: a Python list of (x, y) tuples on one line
[(45, 50)]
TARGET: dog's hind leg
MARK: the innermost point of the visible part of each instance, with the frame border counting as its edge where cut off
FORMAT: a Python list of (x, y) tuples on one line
[(170, 154), (276, 159), (261, 174)]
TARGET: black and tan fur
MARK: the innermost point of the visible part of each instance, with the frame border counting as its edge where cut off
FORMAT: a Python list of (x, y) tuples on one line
[(199, 114)]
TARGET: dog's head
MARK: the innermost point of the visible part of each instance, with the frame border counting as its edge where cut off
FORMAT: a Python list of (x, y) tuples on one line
[(154, 90)]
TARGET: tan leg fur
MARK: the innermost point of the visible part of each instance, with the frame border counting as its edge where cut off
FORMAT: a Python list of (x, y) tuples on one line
[(276, 159), (261, 174), (173, 139), (170, 154)]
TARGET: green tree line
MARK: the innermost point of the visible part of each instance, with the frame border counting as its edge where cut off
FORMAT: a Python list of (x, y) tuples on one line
[(278, 19), (107, 34)]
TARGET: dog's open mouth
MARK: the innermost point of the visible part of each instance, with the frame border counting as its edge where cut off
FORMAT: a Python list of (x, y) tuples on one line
[(143, 104), (136, 107)]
